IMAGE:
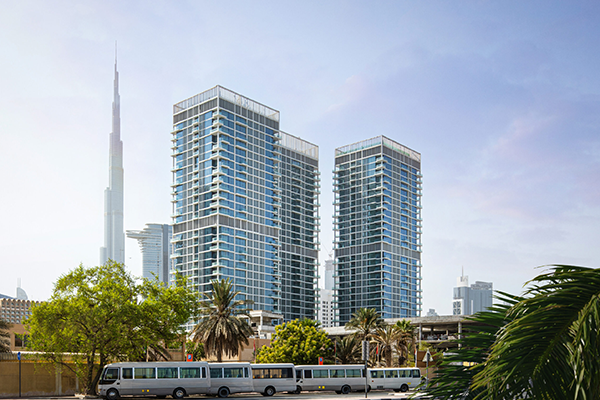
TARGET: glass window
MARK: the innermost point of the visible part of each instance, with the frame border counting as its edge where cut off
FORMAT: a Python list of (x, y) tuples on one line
[(321, 373), (233, 372), (216, 372), (127, 373), (376, 374), (354, 373), (337, 373), (308, 374), (391, 374), (145, 373), (189, 372), (166, 373), (111, 374), (416, 373)]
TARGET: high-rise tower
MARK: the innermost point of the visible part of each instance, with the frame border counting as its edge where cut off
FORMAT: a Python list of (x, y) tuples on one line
[(377, 228), (155, 244), (114, 236), (245, 203)]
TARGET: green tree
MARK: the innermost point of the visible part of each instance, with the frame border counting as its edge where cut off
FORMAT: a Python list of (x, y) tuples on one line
[(384, 340), (221, 328), (348, 350), (550, 348), (365, 322), (100, 314), (195, 349), (455, 373), (543, 345), (301, 342), (404, 340), (4, 337)]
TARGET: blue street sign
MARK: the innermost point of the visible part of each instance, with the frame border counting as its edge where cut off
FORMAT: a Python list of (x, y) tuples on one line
[(19, 356)]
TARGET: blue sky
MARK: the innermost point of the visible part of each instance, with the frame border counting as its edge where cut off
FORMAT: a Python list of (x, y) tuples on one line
[(502, 100)]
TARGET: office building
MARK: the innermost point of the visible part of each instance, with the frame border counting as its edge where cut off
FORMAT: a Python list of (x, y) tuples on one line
[(327, 308), (245, 202), (472, 299), (13, 310), (114, 236), (377, 228), (155, 245)]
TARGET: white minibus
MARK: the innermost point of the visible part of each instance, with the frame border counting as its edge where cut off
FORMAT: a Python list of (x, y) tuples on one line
[(269, 379), (340, 378), (178, 379), (227, 378), (397, 379)]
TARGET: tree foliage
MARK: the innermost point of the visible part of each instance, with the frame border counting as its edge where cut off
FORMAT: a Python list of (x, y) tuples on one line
[(221, 328), (404, 340), (301, 342), (101, 314), (543, 345), (384, 340), (365, 322), (348, 350), (4, 336)]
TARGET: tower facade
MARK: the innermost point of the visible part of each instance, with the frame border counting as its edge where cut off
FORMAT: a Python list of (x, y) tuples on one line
[(114, 236), (155, 244), (245, 202), (472, 299), (377, 228)]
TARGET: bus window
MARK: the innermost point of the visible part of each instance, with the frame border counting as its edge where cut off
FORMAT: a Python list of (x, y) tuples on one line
[(404, 373), (354, 373), (233, 372), (391, 373), (320, 373), (127, 373), (203, 373), (376, 374), (337, 373), (145, 373), (216, 372), (308, 374), (416, 373), (166, 373), (110, 375)]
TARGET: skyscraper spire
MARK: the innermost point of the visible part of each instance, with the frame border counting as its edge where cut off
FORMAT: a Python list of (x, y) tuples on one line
[(114, 237)]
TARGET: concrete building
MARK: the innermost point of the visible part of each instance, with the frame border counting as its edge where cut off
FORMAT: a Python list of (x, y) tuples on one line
[(155, 245), (377, 228), (245, 202), (114, 236), (327, 308), (472, 299), (13, 310)]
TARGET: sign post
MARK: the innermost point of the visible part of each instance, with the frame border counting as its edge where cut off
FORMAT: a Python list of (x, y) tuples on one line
[(427, 358), (365, 356), (19, 358)]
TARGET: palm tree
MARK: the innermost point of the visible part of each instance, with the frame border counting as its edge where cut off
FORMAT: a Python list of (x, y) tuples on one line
[(365, 322), (221, 329), (347, 350), (385, 338), (4, 337), (405, 340), (543, 345)]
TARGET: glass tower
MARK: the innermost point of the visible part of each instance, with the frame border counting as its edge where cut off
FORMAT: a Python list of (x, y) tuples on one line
[(245, 202), (377, 228), (154, 241)]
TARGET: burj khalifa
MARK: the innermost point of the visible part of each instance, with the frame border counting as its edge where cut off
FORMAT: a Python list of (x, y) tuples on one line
[(114, 236)]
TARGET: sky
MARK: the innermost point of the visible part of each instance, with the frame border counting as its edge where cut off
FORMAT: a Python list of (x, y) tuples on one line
[(501, 98)]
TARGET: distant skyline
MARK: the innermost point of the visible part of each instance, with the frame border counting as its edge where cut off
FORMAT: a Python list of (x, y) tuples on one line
[(500, 98)]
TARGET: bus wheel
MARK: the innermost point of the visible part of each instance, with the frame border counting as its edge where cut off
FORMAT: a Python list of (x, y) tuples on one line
[(345, 389), (298, 390), (112, 394), (404, 388), (179, 393), (269, 391), (223, 392)]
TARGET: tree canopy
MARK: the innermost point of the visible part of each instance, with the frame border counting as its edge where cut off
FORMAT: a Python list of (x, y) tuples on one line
[(4, 337), (542, 345), (101, 314), (221, 328), (301, 342)]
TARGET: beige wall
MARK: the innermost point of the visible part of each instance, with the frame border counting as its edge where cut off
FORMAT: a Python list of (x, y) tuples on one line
[(37, 379)]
